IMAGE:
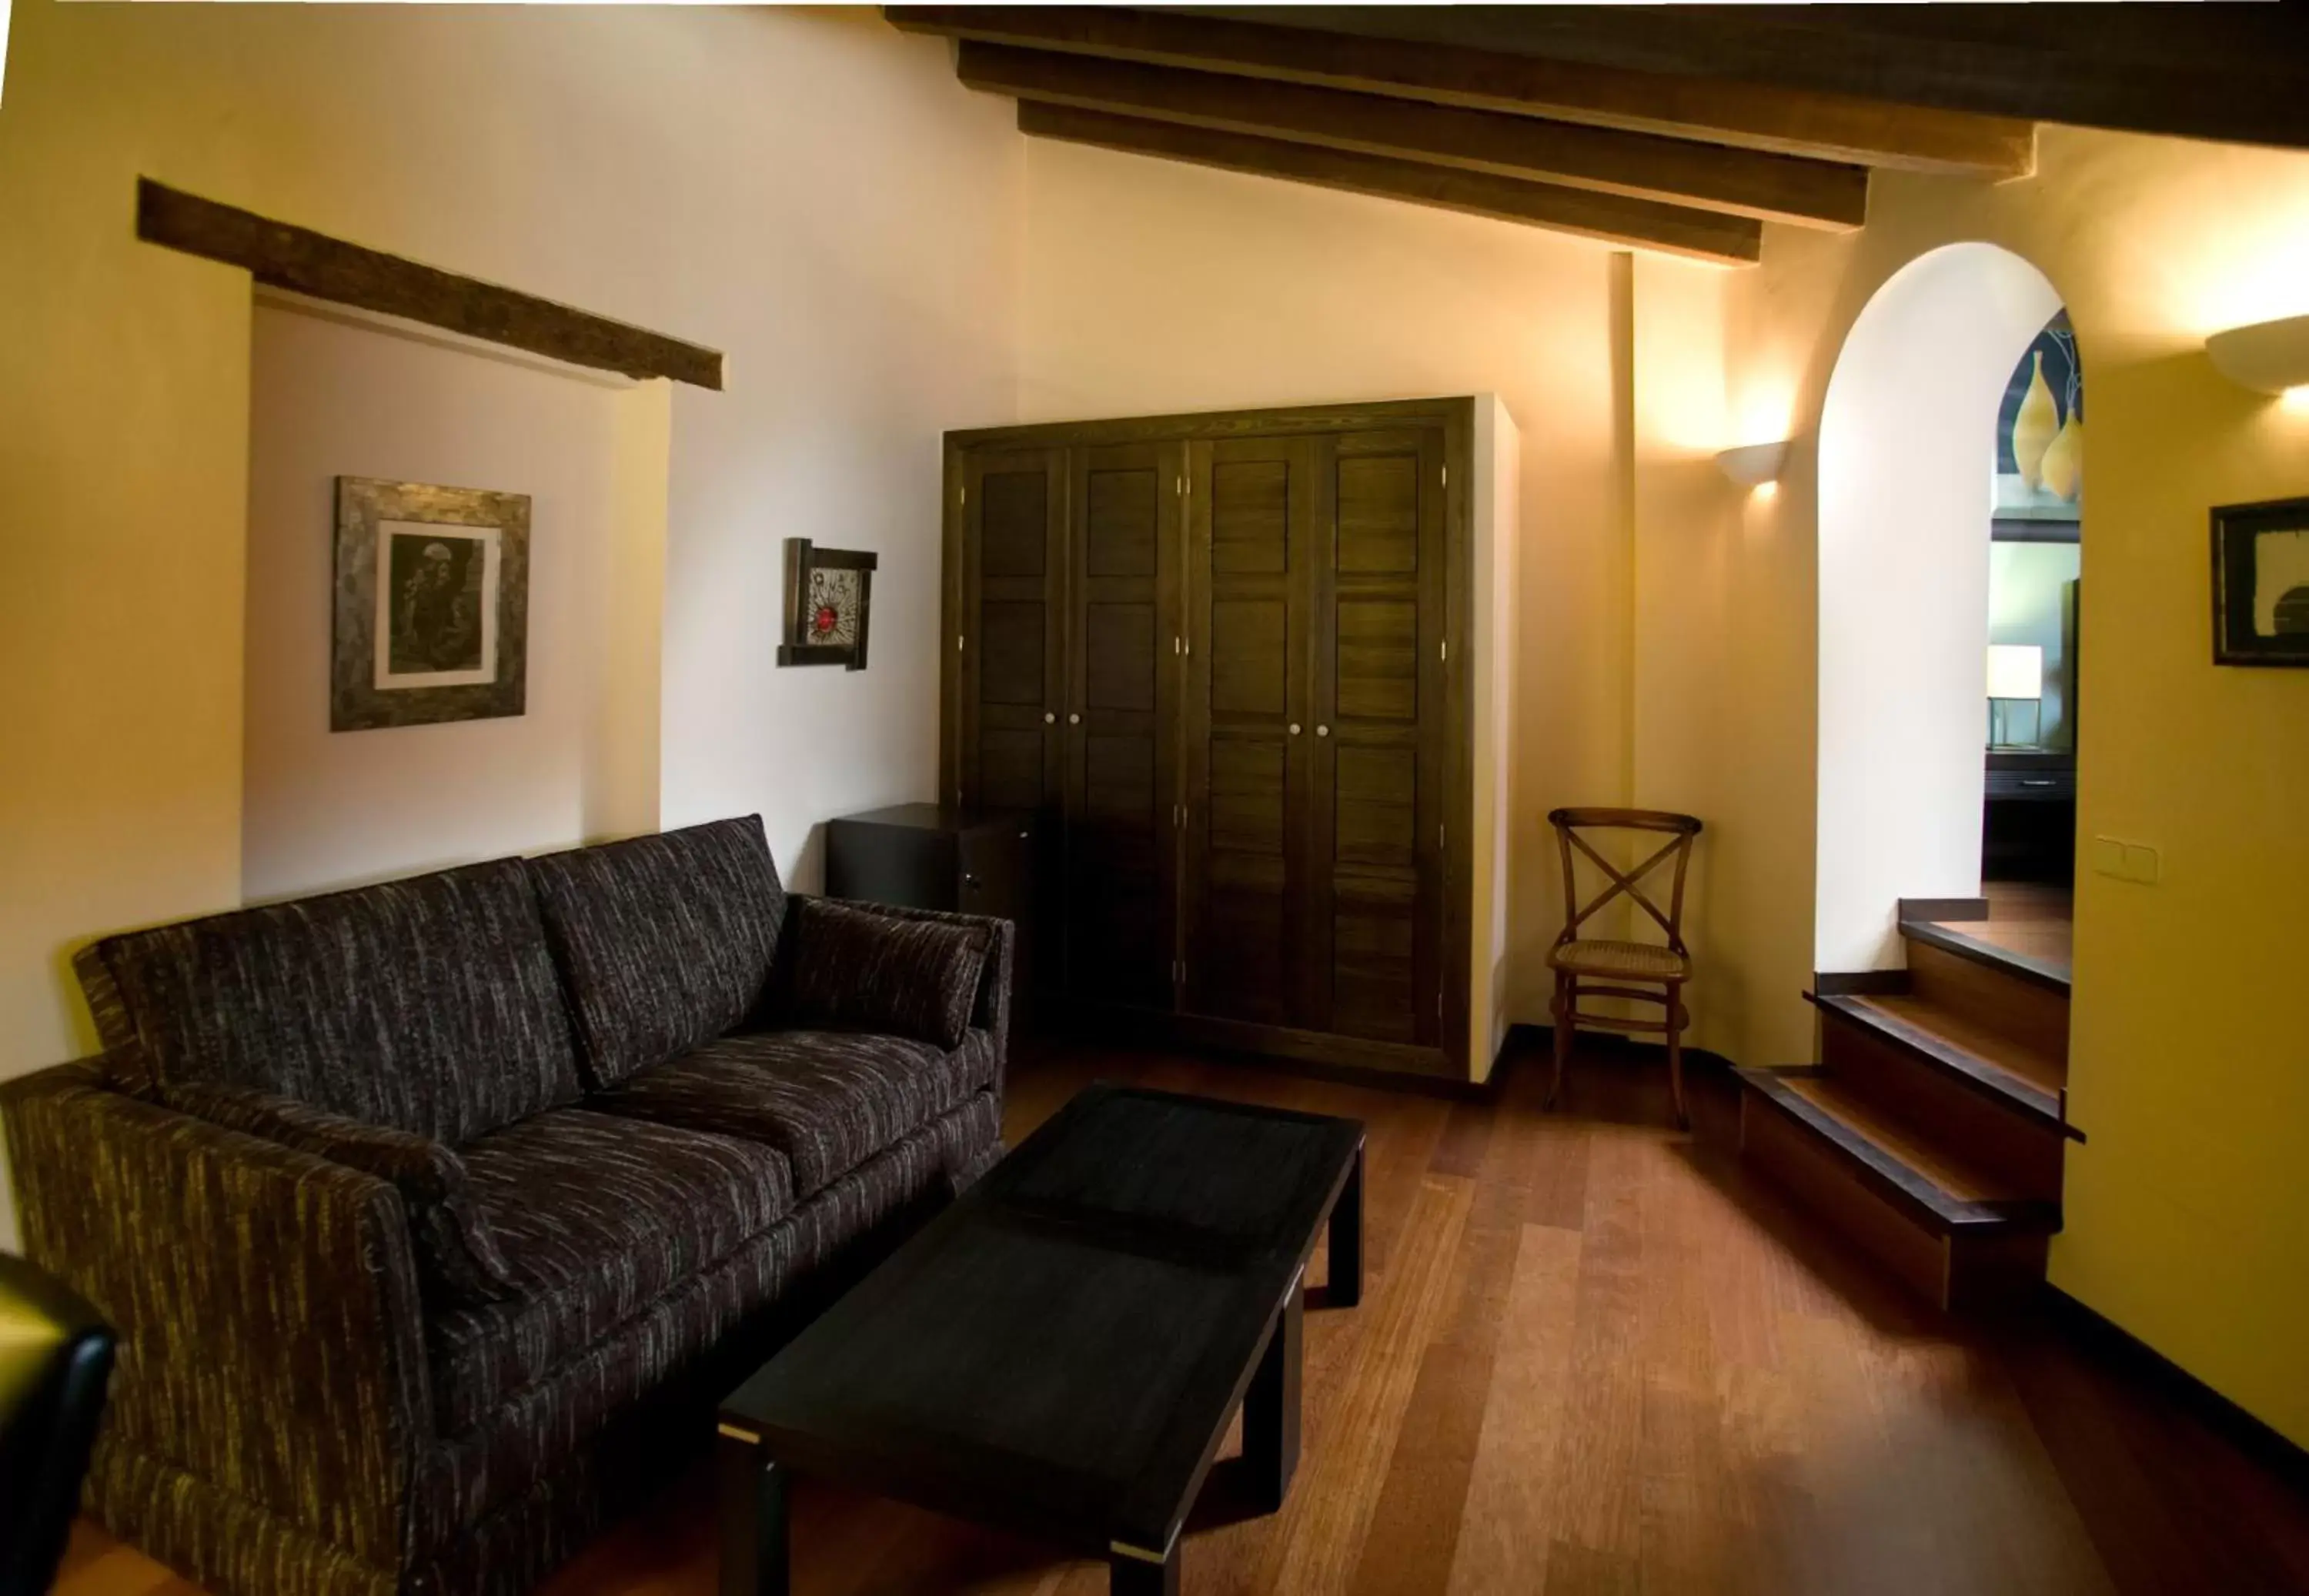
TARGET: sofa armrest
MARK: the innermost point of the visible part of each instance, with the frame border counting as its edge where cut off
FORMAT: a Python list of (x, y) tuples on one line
[(271, 1332), (457, 1253), (990, 1012)]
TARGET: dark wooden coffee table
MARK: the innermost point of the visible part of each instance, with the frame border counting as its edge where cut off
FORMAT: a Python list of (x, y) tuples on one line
[(1060, 1352)]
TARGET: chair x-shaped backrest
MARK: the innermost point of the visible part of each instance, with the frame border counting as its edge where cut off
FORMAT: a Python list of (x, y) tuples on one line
[(1571, 823)]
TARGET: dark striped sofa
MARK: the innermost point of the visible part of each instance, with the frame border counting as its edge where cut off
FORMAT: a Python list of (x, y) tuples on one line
[(435, 1216)]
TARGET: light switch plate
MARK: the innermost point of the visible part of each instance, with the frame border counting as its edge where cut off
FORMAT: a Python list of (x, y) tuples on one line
[(2126, 861)]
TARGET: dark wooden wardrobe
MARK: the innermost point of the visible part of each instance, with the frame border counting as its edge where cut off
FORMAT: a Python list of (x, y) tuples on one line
[(1248, 670)]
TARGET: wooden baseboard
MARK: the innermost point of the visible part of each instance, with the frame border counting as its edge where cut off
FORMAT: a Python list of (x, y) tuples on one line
[(2268, 1447), (1942, 909), (1541, 1040)]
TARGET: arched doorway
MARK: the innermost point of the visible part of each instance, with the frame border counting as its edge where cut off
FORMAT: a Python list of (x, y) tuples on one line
[(1907, 438)]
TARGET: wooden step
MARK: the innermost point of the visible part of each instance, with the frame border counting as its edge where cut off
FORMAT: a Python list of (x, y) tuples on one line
[(1955, 938), (1994, 997), (1957, 1231), (2010, 1075)]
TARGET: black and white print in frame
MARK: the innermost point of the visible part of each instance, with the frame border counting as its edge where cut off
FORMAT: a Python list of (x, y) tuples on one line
[(431, 617), (2260, 583), (829, 600)]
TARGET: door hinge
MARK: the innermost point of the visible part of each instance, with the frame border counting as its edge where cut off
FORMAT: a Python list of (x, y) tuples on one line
[(1179, 971), (962, 495), (958, 645), (1446, 476), (1443, 651), (1178, 815), (1439, 836), (1439, 1005)]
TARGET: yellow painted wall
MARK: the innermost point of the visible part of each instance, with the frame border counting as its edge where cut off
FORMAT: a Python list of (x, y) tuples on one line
[(2188, 1210), (809, 191)]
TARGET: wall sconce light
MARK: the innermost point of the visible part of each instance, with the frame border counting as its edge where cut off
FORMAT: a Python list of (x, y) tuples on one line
[(1753, 464), (2269, 356)]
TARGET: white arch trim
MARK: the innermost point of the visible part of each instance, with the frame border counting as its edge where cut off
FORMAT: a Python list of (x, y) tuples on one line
[(1906, 440)]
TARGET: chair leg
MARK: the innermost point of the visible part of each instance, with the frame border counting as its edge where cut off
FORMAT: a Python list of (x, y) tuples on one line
[(1567, 1003), (1676, 1018)]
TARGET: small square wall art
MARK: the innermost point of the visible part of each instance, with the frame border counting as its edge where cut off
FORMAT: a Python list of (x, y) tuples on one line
[(829, 600)]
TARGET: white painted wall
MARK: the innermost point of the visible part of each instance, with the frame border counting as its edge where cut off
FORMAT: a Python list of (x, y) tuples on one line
[(1906, 442), (328, 396), (1495, 514)]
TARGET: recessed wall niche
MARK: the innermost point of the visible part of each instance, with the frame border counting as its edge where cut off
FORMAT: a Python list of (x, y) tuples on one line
[(335, 392)]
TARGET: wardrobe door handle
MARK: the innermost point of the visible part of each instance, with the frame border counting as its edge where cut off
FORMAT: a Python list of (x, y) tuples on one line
[(1050, 718), (1322, 731), (1074, 719), (1295, 728)]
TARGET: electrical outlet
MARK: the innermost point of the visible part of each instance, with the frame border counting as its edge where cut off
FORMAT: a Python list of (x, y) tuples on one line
[(2126, 861)]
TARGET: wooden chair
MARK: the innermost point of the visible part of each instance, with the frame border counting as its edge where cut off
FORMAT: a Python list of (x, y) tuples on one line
[(1605, 969)]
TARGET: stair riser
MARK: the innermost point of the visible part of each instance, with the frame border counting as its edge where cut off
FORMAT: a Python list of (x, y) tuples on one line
[(1949, 1271), (1825, 1185), (2024, 1152), (2011, 1005)]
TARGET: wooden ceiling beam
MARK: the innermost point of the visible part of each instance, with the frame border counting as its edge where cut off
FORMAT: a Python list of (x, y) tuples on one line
[(1712, 236), (2232, 72), (1749, 115), (1642, 166)]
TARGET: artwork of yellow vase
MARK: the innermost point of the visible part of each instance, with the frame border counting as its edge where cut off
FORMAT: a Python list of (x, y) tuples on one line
[(2064, 465), (2034, 426)]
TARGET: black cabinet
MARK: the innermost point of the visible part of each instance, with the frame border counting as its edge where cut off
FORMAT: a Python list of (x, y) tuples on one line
[(2029, 824), (924, 856)]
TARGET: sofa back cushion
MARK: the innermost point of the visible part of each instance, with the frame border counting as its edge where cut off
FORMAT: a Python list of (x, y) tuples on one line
[(426, 1005), (665, 942)]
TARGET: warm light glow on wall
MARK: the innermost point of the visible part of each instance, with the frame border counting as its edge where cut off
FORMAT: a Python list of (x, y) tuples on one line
[(1766, 408), (2295, 400)]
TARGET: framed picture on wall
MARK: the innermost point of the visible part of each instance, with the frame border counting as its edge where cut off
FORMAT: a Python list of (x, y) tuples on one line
[(829, 600), (431, 619), (2260, 583), (2040, 436)]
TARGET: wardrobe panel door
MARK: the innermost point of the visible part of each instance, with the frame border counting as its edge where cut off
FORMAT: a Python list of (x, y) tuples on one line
[(1014, 587), (1373, 915), (1248, 544), (1122, 777)]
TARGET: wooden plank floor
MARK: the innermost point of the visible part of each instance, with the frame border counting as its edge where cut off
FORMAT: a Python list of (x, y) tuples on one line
[(1595, 1356)]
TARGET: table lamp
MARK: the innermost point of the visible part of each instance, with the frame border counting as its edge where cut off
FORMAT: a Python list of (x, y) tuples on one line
[(2016, 671)]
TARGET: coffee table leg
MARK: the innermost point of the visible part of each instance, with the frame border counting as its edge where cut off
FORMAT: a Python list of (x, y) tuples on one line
[(1270, 1408), (1130, 1571), (755, 1560), (1346, 1240)]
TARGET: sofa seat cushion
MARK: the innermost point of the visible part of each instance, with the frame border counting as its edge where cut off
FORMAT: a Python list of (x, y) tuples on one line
[(827, 1099), (665, 942), (597, 1216), (647, 1389), (428, 1005)]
